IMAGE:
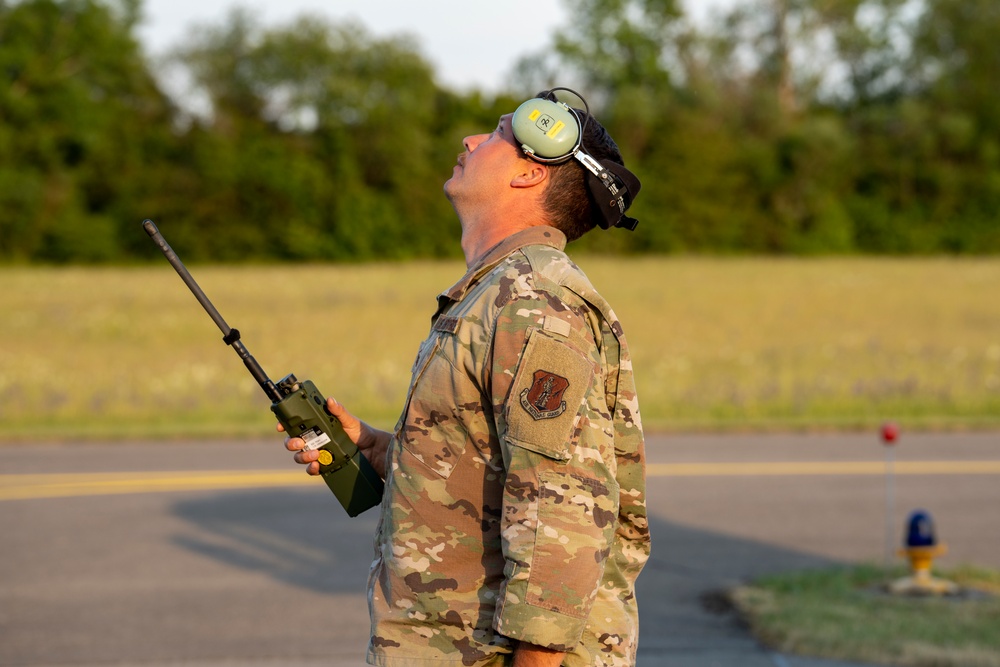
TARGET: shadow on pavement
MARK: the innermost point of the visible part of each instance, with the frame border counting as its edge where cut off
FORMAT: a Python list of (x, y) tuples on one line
[(304, 539), (301, 538)]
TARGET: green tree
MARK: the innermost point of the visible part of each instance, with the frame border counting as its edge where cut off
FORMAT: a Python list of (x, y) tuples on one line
[(80, 116), (955, 51), (927, 130), (322, 141)]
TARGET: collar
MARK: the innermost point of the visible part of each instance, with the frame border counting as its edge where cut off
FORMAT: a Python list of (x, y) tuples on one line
[(538, 235)]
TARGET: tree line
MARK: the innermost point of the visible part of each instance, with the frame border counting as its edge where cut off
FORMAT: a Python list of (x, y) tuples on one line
[(775, 126)]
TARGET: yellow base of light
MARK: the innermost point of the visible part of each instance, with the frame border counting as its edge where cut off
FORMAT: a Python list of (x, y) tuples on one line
[(922, 582)]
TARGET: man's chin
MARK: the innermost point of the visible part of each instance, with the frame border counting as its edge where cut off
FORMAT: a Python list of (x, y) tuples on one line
[(449, 187)]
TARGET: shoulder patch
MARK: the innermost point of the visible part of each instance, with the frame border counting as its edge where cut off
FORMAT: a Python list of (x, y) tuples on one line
[(549, 386)]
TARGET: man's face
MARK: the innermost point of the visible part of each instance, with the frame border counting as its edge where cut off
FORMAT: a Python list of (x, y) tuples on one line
[(486, 166)]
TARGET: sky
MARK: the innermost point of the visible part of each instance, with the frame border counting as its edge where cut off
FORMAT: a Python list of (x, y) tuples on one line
[(470, 43)]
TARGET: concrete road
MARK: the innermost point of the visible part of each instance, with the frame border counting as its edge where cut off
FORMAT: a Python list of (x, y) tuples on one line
[(209, 554)]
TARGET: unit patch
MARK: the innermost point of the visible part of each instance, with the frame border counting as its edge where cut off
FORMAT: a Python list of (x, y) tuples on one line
[(543, 399)]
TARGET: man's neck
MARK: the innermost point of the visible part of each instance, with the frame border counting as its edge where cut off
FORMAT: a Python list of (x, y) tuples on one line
[(475, 246), (481, 234)]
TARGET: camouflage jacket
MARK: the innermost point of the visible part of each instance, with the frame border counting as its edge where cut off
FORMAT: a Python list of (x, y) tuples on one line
[(514, 507)]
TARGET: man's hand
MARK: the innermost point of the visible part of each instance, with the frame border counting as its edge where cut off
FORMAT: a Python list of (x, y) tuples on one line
[(373, 443), (529, 655)]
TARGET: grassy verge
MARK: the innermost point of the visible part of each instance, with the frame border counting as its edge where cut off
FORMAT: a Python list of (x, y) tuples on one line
[(718, 344), (841, 614)]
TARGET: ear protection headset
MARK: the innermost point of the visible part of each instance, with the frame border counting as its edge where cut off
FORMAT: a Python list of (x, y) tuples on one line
[(551, 132)]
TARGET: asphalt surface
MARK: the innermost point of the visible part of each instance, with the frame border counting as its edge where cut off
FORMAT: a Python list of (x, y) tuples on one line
[(209, 554)]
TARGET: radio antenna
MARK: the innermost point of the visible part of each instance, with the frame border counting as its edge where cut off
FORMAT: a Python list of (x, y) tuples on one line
[(230, 336)]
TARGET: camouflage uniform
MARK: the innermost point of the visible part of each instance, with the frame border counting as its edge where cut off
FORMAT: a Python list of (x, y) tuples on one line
[(515, 501)]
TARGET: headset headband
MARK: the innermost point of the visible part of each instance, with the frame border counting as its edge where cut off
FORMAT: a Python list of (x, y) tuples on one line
[(551, 132)]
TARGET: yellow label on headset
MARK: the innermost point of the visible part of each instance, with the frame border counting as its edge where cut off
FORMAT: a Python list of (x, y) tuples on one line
[(556, 129), (534, 115)]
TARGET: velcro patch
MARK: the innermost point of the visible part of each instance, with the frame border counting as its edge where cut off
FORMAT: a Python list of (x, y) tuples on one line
[(548, 390), (555, 325), (447, 324)]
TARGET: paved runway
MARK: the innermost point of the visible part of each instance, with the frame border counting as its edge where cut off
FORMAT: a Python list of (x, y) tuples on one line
[(208, 554)]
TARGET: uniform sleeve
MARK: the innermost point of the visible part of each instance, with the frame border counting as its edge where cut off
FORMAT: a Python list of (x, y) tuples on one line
[(560, 494)]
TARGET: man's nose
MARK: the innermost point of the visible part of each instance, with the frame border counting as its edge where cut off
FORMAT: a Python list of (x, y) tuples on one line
[(472, 141)]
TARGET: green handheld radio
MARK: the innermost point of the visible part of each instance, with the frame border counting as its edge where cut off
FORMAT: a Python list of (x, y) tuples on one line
[(300, 409)]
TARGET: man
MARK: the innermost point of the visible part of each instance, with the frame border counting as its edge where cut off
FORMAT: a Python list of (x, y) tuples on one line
[(513, 524)]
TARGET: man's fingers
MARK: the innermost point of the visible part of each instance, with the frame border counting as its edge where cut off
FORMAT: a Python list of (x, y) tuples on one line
[(308, 458), (353, 427), (337, 410)]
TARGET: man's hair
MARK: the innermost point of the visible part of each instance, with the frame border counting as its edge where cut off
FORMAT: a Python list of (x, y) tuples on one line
[(567, 200)]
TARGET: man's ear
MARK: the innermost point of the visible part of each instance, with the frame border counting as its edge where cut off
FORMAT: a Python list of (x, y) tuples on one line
[(533, 174)]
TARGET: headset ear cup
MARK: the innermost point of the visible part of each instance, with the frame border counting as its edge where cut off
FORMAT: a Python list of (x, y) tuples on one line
[(547, 131)]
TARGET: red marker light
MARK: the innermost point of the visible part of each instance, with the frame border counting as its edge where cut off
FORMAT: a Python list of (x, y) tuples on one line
[(889, 433)]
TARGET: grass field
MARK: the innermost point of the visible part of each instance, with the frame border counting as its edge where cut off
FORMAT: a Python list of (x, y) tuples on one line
[(718, 343), (842, 614)]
